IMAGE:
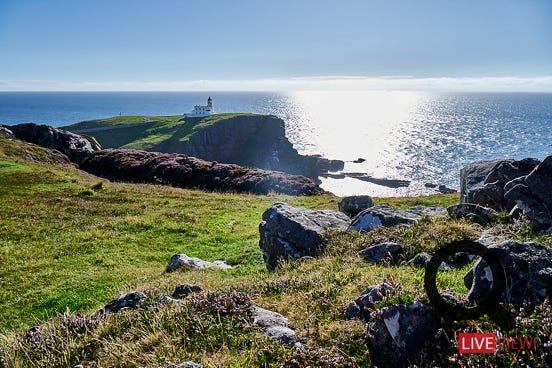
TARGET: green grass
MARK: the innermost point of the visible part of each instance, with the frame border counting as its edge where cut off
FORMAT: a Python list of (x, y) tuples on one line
[(70, 242), (140, 132)]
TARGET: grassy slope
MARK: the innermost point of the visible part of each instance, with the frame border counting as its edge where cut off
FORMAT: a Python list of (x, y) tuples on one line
[(68, 243), (140, 132)]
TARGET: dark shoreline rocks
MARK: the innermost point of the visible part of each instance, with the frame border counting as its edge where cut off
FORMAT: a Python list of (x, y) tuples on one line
[(76, 147), (189, 172)]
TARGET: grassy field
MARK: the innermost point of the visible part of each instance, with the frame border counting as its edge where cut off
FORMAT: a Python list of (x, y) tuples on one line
[(141, 132), (70, 242)]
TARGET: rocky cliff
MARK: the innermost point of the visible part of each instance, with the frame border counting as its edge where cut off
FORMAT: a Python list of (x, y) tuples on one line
[(245, 139)]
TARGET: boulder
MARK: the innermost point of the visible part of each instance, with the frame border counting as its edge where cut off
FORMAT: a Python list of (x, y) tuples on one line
[(289, 233), (529, 206), (132, 300), (383, 215), (76, 147), (402, 335), (275, 326), (353, 205), (363, 305), (539, 181), (528, 270), (473, 212), (183, 290), (383, 252), (483, 182), (181, 260)]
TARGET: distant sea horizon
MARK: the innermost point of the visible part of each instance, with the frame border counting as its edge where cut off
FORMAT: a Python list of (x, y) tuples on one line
[(424, 137)]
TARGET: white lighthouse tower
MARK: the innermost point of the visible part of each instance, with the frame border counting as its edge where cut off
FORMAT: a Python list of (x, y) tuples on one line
[(200, 110)]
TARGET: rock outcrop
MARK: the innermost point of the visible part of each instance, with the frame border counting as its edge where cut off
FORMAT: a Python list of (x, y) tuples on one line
[(528, 272), (178, 261), (521, 188), (383, 252), (366, 302), (128, 301), (473, 212), (383, 215), (275, 326), (250, 140), (289, 233), (189, 172), (402, 335), (76, 147), (353, 205)]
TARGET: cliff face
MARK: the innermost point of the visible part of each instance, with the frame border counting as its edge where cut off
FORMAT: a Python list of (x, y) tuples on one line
[(248, 140), (245, 139)]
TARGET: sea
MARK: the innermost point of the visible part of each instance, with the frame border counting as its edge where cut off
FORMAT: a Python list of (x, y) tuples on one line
[(421, 137)]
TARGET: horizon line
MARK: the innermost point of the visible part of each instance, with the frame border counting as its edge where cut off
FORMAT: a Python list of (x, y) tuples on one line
[(322, 83)]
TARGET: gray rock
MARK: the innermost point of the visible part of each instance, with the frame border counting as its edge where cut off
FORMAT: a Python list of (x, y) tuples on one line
[(181, 260), (275, 326), (473, 212), (189, 364), (383, 215), (75, 147), (419, 260), (539, 181), (402, 335), (365, 303), (165, 300), (353, 205), (422, 259), (183, 290), (472, 177), (529, 206), (5, 131), (390, 252), (527, 268), (128, 301), (483, 183), (289, 233)]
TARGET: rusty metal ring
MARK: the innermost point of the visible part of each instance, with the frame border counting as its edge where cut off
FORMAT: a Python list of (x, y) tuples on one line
[(456, 310)]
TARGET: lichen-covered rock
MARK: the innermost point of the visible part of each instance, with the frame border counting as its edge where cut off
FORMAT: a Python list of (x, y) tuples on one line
[(402, 335), (383, 252), (128, 301), (183, 261), (189, 172), (483, 182), (364, 304), (275, 326), (189, 364), (528, 273), (75, 147), (289, 233), (473, 212), (383, 215), (353, 205)]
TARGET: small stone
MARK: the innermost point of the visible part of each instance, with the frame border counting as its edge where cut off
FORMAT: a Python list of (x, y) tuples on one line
[(182, 291), (382, 252), (128, 301)]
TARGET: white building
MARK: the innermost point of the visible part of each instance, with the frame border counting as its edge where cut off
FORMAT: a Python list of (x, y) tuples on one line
[(200, 110)]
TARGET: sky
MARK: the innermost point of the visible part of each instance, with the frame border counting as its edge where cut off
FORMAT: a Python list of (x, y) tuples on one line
[(275, 45)]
